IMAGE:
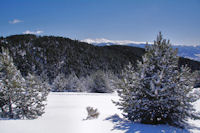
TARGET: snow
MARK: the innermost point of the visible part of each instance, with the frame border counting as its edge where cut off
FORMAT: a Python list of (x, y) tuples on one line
[(116, 42), (65, 113)]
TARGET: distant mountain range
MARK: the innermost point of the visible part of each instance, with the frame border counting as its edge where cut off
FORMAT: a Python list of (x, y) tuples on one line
[(191, 52)]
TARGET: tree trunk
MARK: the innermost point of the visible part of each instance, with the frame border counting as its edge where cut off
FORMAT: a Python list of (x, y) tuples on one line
[(10, 109)]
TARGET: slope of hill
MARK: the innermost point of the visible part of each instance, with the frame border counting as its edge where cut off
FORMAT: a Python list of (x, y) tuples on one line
[(62, 55), (53, 55)]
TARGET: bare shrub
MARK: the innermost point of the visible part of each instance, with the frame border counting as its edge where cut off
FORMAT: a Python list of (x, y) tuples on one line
[(92, 113)]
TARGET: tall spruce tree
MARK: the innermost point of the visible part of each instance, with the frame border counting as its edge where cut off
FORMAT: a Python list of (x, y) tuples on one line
[(157, 91)]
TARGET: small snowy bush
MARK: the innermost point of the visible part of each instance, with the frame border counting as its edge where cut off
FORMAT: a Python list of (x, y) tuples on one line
[(92, 113), (157, 91)]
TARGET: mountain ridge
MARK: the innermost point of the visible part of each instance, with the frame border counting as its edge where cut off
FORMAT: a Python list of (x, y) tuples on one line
[(187, 51), (53, 55)]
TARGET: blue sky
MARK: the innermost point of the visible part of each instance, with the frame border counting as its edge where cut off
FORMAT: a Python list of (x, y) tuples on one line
[(137, 20)]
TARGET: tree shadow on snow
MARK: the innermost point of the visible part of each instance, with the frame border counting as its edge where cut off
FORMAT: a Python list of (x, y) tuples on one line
[(131, 127)]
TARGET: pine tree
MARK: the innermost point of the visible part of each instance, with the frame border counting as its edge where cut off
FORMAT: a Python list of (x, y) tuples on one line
[(20, 98), (32, 103), (12, 84), (99, 82), (59, 83), (73, 83), (157, 91)]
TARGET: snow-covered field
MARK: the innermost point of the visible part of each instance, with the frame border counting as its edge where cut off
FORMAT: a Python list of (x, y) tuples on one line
[(65, 113)]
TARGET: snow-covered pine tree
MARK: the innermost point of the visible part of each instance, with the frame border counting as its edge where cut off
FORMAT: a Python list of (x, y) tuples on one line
[(70, 83), (20, 98), (12, 84), (157, 91), (32, 103), (59, 83), (74, 84), (100, 82)]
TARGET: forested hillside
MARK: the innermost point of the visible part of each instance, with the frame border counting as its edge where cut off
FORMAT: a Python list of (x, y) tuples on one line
[(54, 55)]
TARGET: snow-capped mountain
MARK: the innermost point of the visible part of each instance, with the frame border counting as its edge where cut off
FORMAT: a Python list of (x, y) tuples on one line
[(192, 52), (107, 42)]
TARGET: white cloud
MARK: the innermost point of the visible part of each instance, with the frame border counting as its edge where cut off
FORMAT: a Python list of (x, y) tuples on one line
[(33, 32), (119, 42), (198, 55), (15, 21)]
